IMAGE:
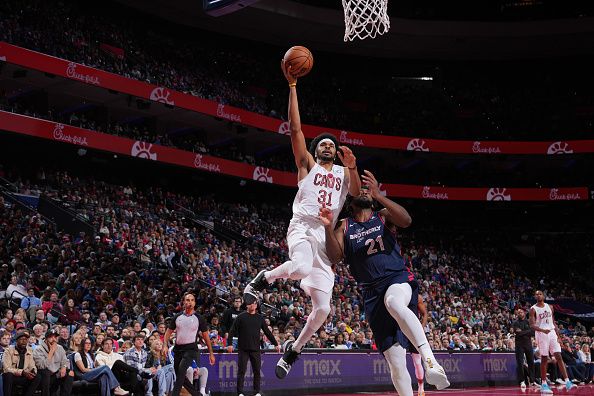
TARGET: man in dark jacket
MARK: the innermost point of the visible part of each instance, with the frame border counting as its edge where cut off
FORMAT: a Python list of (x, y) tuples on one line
[(247, 328), (523, 332)]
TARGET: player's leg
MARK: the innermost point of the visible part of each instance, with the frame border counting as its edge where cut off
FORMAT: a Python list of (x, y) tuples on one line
[(320, 301), (301, 254), (298, 267), (419, 372), (543, 346), (396, 358), (563, 370), (397, 300)]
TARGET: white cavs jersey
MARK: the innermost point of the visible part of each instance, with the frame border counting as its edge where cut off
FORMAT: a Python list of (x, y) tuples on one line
[(320, 188), (544, 317), (548, 344)]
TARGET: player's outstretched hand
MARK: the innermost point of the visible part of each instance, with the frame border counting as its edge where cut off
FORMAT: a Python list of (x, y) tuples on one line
[(287, 72), (347, 157), (325, 216), (278, 348), (211, 359), (370, 181)]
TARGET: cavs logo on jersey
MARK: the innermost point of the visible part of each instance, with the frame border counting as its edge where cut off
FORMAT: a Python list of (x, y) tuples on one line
[(544, 315), (328, 181)]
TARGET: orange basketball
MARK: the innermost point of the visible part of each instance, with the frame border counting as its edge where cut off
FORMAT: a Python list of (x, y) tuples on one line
[(300, 59)]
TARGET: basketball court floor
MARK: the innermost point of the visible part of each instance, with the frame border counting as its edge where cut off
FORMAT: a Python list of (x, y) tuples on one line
[(483, 391)]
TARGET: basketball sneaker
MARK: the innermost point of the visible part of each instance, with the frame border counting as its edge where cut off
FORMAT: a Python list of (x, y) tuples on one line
[(421, 392), (256, 285), (569, 384), (523, 385), (545, 389), (283, 366), (435, 374)]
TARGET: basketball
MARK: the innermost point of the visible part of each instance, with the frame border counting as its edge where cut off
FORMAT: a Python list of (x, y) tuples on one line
[(300, 59)]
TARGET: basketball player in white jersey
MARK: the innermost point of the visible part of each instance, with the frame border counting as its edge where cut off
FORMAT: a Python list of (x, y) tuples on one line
[(546, 334), (321, 184)]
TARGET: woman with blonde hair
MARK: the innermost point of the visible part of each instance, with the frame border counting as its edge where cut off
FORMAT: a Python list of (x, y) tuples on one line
[(164, 376), (75, 341)]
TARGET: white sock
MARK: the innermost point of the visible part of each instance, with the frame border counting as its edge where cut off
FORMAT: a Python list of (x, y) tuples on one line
[(320, 302), (203, 379), (298, 267), (397, 299), (396, 357)]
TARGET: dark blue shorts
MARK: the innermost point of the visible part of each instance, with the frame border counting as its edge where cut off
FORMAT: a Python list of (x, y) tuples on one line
[(386, 331)]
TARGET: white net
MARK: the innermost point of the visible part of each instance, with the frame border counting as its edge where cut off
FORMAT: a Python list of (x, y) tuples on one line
[(365, 18)]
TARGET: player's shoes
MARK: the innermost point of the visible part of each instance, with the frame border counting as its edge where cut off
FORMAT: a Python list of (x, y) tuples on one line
[(435, 374), (253, 289), (569, 384), (283, 366), (523, 385), (545, 389), (421, 392)]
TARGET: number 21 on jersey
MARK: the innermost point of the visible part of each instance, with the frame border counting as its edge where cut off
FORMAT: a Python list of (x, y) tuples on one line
[(371, 242)]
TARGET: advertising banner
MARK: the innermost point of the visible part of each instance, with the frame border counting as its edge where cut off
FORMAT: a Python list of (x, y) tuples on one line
[(82, 137), (356, 371), (88, 75)]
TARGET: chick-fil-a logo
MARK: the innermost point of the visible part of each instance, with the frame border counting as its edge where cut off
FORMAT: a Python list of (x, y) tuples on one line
[(200, 164), (221, 112), (71, 72), (427, 193), (61, 135), (344, 138), (477, 149), (555, 195)]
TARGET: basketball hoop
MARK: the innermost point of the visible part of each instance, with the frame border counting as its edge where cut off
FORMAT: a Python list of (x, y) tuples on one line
[(365, 18)]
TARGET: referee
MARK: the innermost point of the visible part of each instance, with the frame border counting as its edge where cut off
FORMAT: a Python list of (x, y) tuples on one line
[(523, 332), (187, 325), (247, 328)]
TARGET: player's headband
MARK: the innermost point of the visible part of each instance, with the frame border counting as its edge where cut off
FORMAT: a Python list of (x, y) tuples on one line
[(325, 140)]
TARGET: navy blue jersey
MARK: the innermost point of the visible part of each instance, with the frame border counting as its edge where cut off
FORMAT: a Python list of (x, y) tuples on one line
[(372, 252)]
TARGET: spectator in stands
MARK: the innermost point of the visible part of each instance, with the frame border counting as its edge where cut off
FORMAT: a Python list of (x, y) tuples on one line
[(52, 308), (74, 344), (71, 316), (229, 316), (124, 373), (164, 374), (84, 360), (136, 357), (31, 304), (586, 357), (15, 291), (53, 366), (64, 338), (19, 367), (575, 369)]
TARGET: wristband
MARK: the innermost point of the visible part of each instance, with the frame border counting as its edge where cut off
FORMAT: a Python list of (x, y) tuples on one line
[(293, 84)]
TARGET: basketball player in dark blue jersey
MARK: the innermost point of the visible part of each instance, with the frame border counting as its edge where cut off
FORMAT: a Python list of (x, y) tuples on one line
[(366, 241)]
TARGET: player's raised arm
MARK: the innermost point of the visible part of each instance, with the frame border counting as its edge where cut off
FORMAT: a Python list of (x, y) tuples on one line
[(394, 213), (303, 158), (350, 162)]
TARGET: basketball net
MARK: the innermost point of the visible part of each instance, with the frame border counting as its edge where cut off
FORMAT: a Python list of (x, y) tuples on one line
[(365, 18)]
